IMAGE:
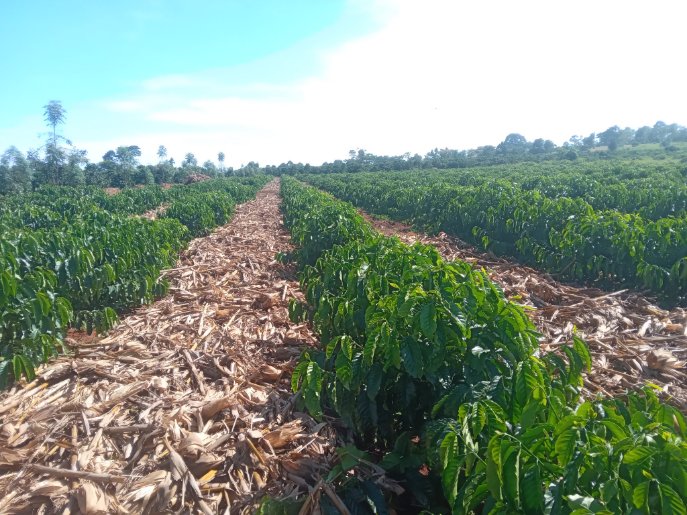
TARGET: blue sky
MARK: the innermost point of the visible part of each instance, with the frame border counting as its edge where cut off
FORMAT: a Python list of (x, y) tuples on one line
[(270, 80), (87, 49)]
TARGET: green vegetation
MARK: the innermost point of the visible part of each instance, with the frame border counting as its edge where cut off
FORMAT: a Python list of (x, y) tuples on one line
[(662, 142), (435, 375), (440, 379), (74, 258), (60, 163), (611, 225)]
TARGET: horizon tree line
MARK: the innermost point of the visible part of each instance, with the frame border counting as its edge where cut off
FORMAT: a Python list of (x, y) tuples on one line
[(59, 162)]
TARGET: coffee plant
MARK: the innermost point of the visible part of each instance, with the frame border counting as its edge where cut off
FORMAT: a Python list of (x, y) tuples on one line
[(440, 379)]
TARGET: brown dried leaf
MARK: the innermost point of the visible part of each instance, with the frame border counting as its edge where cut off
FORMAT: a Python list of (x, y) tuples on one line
[(270, 373), (91, 499), (285, 434), (50, 488), (661, 359)]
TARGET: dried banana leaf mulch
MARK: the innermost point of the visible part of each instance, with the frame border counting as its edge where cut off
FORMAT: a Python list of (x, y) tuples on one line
[(155, 213), (633, 341), (186, 405)]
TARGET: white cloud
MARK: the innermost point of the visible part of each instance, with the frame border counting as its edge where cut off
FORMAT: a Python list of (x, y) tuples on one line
[(438, 73)]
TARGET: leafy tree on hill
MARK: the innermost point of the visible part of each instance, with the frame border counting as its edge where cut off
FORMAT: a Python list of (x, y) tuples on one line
[(96, 175), (162, 152), (144, 175), (513, 144), (163, 172), (542, 146), (209, 168), (73, 173), (615, 137), (189, 160), (15, 172), (251, 168), (589, 141), (61, 165), (120, 165)]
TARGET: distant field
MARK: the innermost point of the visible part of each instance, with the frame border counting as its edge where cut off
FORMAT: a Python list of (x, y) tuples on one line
[(607, 223)]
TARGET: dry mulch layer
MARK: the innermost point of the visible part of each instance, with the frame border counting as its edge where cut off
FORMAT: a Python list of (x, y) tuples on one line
[(186, 405), (633, 341), (155, 213)]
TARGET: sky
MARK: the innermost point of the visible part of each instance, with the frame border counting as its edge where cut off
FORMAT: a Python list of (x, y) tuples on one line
[(308, 80)]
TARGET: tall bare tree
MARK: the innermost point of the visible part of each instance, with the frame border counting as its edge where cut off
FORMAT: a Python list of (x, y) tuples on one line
[(54, 114), (162, 152)]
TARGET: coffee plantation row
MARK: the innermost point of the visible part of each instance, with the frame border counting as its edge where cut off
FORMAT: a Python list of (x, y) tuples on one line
[(76, 257), (652, 189), (562, 234), (442, 383)]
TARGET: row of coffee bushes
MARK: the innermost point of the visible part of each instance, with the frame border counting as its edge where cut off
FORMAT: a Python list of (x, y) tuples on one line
[(441, 381), (77, 265)]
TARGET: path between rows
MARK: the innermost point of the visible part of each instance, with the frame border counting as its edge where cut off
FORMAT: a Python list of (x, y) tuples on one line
[(631, 339), (186, 405)]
